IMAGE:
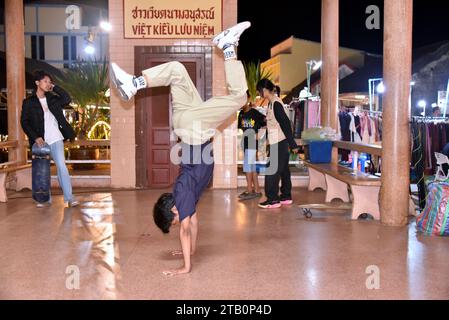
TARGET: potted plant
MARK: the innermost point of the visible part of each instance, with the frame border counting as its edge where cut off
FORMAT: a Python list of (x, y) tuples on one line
[(254, 73), (87, 82)]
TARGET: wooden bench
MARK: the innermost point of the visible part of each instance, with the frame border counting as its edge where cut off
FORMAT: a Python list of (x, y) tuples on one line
[(335, 179), (374, 150), (22, 177)]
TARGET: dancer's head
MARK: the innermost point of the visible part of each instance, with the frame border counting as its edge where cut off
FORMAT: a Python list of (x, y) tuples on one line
[(266, 88), (165, 213), (42, 80)]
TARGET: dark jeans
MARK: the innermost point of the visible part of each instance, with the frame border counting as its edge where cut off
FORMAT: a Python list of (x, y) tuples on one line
[(282, 173)]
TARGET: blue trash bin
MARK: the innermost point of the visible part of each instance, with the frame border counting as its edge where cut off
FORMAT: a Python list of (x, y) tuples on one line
[(320, 151)]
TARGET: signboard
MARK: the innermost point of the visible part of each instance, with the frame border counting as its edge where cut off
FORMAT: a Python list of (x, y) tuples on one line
[(172, 19)]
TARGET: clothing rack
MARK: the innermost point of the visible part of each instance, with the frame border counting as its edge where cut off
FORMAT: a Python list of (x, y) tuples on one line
[(311, 98), (374, 112), (430, 119), (358, 132), (310, 115), (361, 109)]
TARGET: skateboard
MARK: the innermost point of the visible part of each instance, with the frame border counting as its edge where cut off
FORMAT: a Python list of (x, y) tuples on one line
[(41, 179), (307, 208)]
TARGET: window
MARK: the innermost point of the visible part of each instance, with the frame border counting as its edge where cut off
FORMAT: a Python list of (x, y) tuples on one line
[(34, 47), (69, 52)]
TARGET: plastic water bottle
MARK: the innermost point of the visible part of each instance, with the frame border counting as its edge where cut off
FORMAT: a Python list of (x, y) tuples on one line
[(355, 161), (363, 158)]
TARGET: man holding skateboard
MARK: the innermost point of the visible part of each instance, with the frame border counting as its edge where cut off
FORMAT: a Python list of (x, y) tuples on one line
[(43, 122)]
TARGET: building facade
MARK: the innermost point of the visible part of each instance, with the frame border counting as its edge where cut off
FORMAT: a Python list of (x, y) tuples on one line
[(289, 58), (58, 33)]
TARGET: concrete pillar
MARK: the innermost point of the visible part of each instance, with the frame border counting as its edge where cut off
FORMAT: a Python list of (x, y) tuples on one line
[(396, 112), (15, 74), (330, 58)]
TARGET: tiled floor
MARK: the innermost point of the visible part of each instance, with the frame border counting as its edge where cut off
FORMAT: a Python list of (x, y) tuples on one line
[(244, 253)]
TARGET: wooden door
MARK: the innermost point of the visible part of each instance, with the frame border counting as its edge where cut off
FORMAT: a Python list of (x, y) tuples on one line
[(155, 168)]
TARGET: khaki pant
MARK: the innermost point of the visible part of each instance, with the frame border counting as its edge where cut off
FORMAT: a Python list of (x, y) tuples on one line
[(195, 120)]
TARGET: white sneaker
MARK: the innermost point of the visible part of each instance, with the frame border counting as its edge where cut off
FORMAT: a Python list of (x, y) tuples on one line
[(231, 36), (73, 203), (43, 204), (123, 81)]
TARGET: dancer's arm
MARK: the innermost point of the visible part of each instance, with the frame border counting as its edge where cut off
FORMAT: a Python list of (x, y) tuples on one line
[(194, 232), (185, 236), (194, 236), (186, 245)]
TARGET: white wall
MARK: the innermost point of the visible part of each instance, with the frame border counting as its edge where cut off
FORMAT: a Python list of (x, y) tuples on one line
[(52, 19), (30, 19), (54, 48)]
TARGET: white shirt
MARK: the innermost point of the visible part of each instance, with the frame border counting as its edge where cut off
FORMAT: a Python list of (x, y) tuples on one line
[(52, 133)]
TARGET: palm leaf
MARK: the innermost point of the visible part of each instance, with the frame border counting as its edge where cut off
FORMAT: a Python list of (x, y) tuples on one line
[(87, 82), (254, 73)]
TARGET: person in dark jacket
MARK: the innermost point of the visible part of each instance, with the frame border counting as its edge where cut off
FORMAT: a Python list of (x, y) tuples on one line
[(43, 122)]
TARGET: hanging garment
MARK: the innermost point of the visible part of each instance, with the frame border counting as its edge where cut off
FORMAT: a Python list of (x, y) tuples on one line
[(314, 113), (373, 135), (358, 136), (434, 219), (378, 128), (418, 164), (428, 148), (345, 122), (352, 128), (364, 125), (355, 128), (443, 136), (446, 129), (299, 118), (436, 144)]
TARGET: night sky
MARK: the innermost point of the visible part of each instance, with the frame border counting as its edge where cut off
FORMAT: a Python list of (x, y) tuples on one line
[(275, 21)]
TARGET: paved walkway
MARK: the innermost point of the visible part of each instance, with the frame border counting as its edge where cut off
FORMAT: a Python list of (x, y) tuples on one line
[(244, 252)]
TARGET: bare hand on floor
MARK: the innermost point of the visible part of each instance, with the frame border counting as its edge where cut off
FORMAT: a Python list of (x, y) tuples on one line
[(171, 273), (178, 253)]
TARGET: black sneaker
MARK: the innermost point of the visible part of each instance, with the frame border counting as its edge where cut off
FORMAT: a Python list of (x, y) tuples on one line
[(270, 205), (244, 194), (251, 196)]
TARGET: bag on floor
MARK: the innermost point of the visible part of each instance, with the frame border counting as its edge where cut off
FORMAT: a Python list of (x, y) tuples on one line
[(434, 219)]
